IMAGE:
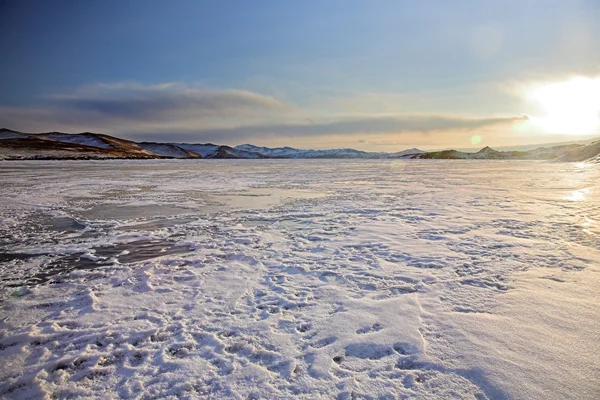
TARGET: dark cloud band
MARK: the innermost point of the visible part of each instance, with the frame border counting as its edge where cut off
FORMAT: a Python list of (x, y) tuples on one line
[(170, 112)]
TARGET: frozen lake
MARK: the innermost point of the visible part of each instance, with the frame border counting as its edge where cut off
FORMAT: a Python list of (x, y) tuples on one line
[(313, 279)]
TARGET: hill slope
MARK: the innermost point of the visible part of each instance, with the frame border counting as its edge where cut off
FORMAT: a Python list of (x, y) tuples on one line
[(583, 153), (57, 145)]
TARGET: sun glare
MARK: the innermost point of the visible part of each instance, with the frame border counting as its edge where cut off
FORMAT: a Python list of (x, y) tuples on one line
[(570, 107)]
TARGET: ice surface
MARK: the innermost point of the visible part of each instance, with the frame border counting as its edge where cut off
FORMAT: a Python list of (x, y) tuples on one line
[(276, 279)]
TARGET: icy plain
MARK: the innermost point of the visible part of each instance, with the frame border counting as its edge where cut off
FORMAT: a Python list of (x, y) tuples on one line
[(312, 279)]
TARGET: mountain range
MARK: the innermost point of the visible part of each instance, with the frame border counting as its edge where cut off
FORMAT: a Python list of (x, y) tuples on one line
[(16, 145)]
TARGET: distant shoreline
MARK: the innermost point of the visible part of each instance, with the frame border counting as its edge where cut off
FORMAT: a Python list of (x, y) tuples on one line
[(49, 146)]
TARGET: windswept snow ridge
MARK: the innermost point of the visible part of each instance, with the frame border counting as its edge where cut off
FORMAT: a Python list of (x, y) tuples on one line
[(329, 279)]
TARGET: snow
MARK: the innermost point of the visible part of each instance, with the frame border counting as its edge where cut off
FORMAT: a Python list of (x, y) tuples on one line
[(583, 153), (555, 150), (290, 152), (204, 150), (80, 138), (164, 149), (10, 135), (406, 153), (313, 279), (272, 152)]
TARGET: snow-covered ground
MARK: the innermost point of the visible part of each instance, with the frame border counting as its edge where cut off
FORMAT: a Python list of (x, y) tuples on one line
[(318, 279)]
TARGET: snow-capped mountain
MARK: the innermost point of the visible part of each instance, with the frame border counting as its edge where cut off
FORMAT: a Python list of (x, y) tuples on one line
[(408, 153), (57, 145), (290, 152), (582, 153), (86, 139), (169, 150), (7, 134), (210, 150), (487, 153)]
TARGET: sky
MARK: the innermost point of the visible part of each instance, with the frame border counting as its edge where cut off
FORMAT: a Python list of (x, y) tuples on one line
[(380, 75)]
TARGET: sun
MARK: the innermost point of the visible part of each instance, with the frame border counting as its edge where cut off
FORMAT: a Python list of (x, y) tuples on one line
[(569, 107)]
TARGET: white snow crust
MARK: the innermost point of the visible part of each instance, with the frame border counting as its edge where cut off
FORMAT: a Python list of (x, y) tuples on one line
[(312, 279)]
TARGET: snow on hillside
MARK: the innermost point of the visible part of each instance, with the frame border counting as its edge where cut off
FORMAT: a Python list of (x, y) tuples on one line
[(312, 279), (6, 134), (576, 152), (272, 152), (247, 154), (289, 152), (214, 151), (555, 150), (583, 153), (487, 153), (167, 150), (406, 153), (86, 139), (205, 150)]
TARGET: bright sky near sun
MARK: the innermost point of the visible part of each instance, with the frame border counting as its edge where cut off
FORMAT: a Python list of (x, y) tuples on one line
[(373, 75)]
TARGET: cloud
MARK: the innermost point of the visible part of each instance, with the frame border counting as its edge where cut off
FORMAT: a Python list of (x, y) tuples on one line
[(425, 124), (132, 101), (176, 112), (125, 108)]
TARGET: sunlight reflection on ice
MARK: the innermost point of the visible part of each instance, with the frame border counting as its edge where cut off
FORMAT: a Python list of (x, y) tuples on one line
[(587, 225), (579, 195)]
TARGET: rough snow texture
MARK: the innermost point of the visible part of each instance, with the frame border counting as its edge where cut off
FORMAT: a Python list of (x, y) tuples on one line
[(308, 279)]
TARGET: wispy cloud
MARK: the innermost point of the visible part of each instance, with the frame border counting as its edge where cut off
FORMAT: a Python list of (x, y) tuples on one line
[(178, 112), (132, 101), (426, 124)]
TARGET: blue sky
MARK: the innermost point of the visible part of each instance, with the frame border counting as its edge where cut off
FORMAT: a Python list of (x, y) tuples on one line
[(376, 75)]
